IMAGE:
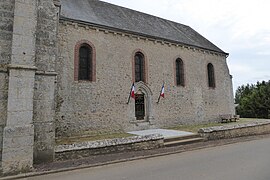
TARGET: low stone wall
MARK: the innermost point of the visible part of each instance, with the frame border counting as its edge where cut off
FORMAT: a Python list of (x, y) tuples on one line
[(232, 131), (86, 149)]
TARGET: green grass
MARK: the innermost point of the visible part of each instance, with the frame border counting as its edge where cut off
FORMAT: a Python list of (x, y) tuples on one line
[(194, 127), (71, 140)]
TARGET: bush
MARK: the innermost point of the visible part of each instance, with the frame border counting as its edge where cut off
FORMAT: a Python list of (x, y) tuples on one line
[(253, 100)]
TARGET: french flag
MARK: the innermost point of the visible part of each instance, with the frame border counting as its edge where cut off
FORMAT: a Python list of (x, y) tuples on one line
[(162, 91), (132, 93)]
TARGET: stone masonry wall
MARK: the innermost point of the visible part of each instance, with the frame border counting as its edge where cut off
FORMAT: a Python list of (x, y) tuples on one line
[(44, 118), (3, 106), (233, 131), (6, 27), (46, 38), (46, 55), (97, 107), (86, 149)]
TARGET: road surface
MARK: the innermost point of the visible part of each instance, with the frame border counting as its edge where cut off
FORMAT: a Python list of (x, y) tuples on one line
[(241, 161)]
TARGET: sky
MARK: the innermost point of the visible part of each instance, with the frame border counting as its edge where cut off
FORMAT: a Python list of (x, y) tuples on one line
[(239, 27)]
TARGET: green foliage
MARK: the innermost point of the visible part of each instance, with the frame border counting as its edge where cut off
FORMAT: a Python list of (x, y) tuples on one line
[(253, 100)]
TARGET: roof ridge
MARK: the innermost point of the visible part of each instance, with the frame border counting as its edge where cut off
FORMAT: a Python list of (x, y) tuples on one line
[(113, 16)]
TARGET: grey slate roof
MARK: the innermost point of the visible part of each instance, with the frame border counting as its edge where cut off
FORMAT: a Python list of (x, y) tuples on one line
[(111, 16)]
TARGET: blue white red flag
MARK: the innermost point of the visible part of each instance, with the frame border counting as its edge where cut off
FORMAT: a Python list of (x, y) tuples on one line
[(162, 91), (132, 93)]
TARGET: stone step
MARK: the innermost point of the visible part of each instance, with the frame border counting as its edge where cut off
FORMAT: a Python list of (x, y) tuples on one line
[(175, 141), (178, 138)]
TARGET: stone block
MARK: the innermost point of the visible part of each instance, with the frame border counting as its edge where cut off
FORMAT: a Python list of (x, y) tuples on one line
[(16, 167), (22, 73), (23, 59), (15, 105), (27, 2), (19, 118), (17, 154), (21, 93), (19, 131), (26, 10), (16, 84), (19, 28), (18, 142)]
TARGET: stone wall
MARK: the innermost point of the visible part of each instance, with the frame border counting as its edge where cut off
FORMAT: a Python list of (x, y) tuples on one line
[(28, 51), (3, 105), (44, 117), (6, 28), (95, 107), (233, 131), (86, 149)]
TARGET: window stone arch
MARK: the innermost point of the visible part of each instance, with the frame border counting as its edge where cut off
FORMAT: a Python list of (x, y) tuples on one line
[(211, 75), (85, 61), (139, 66), (179, 72)]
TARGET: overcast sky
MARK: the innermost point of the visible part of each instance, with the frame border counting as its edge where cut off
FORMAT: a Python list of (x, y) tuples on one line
[(239, 27)]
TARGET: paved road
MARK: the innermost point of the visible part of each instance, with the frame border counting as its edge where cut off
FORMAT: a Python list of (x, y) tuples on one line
[(241, 161)]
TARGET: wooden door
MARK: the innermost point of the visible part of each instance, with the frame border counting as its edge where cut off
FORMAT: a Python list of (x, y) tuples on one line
[(139, 107)]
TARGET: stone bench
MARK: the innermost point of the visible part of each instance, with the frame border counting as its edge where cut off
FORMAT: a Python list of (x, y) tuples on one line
[(225, 118)]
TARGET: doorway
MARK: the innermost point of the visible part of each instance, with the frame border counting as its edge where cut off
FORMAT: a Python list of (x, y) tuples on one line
[(139, 107)]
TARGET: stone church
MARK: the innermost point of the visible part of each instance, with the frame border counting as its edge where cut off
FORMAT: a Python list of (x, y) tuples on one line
[(67, 67)]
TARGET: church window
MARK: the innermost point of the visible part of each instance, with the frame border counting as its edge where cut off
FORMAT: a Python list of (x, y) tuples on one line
[(180, 74), (211, 76), (84, 63), (139, 67)]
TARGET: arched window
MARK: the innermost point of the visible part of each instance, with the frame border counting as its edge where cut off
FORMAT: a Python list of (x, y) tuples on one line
[(211, 76), (84, 62), (180, 74), (139, 67)]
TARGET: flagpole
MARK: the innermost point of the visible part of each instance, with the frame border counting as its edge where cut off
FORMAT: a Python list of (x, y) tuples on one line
[(129, 98), (158, 98), (130, 93), (160, 92)]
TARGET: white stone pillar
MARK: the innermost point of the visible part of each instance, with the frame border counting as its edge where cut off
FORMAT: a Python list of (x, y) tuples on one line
[(18, 135)]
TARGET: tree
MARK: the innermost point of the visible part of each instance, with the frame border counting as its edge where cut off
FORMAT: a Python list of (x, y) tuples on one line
[(253, 100)]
